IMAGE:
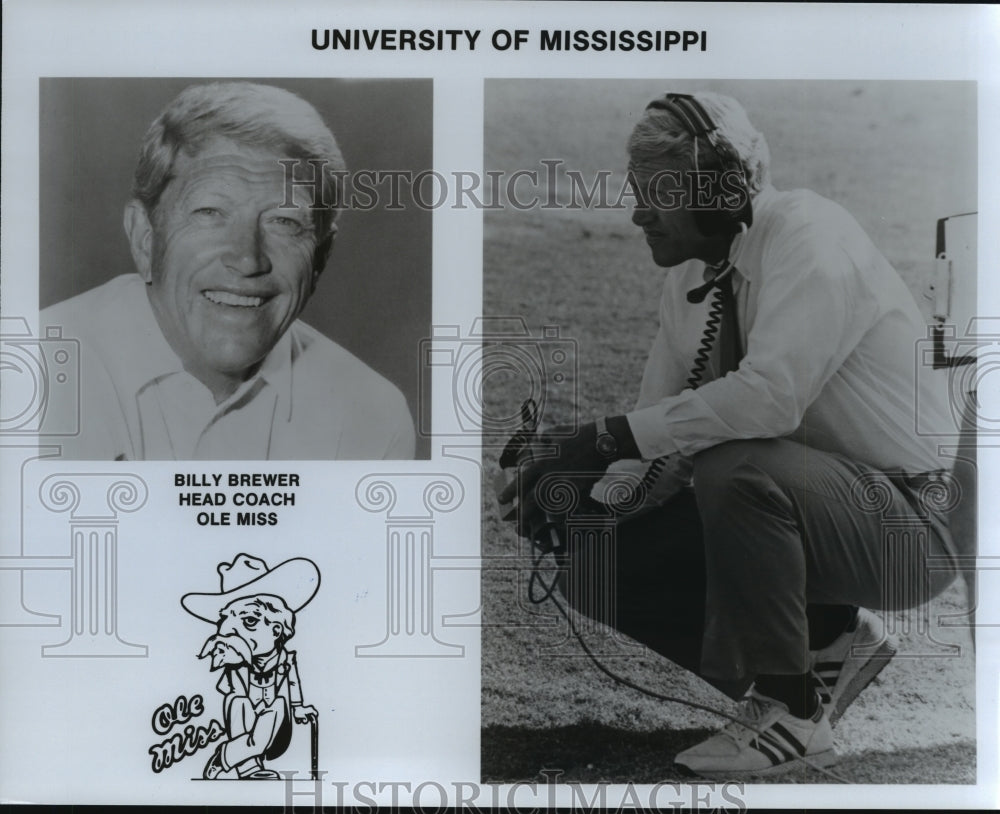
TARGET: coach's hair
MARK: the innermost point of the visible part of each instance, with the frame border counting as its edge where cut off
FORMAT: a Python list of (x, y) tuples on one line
[(256, 115), (659, 138)]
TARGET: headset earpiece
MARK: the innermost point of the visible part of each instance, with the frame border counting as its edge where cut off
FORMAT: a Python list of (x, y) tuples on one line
[(728, 191)]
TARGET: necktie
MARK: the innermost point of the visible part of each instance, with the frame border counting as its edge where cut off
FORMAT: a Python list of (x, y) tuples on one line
[(730, 346)]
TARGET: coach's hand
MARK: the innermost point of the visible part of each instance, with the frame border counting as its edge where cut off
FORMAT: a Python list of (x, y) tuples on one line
[(574, 456)]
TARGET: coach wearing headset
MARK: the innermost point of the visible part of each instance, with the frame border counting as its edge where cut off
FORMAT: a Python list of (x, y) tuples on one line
[(778, 398)]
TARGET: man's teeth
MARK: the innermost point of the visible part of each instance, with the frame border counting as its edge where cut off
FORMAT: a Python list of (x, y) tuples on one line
[(228, 298)]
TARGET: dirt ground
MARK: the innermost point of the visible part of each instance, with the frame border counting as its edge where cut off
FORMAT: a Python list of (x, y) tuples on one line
[(898, 155)]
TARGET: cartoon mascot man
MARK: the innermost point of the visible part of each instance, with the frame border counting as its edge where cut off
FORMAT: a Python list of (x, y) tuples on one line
[(255, 613)]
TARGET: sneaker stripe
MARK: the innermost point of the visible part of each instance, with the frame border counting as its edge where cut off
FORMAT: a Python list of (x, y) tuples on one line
[(786, 753), (770, 754), (788, 736)]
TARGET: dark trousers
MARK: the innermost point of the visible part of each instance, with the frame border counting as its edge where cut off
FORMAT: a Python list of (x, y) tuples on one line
[(723, 579)]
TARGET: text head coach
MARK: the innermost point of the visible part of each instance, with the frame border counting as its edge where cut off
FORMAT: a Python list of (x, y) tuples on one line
[(200, 354)]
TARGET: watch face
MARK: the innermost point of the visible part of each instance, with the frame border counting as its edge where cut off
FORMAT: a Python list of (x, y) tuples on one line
[(606, 445)]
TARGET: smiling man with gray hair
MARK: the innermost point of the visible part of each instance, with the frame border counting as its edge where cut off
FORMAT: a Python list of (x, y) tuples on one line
[(201, 353)]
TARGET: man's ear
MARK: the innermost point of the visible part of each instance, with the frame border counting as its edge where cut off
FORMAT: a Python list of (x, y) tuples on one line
[(140, 238)]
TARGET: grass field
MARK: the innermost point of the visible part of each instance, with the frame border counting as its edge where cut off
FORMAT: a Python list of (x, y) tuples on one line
[(898, 155)]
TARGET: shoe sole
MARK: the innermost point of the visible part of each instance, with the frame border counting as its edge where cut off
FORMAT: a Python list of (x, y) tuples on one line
[(820, 759), (862, 678)]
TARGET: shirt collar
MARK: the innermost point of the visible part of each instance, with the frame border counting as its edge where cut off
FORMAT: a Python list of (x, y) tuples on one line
[(152, 358), (761, 202), (740, 241)]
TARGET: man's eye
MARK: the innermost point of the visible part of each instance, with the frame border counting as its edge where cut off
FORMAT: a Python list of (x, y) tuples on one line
[(250, 622), (286, 226), (207, 212), (639, 193)]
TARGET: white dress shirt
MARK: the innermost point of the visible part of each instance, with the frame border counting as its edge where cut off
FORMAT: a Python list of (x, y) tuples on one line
[(310, 399), (830, 334)]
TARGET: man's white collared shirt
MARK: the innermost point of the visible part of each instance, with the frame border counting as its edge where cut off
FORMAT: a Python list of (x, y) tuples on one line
[(832, 340), (310, 400)]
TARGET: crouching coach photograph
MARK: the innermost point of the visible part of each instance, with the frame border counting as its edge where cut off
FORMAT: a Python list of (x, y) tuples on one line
[(231, 295), (742, 538)]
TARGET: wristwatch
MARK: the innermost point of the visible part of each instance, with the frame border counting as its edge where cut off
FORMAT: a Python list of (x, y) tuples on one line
[(606, 445)]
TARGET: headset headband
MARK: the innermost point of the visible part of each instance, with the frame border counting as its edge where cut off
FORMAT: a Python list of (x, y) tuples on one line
[(697, 122), (689, 110)]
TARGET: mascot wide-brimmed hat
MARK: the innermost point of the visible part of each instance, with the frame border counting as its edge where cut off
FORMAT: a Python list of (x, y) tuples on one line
[(295, 581)]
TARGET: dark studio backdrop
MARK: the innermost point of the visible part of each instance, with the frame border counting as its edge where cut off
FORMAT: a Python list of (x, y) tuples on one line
[(374, 297)]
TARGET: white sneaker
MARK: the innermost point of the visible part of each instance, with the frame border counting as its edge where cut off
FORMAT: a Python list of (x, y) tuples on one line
[(768, 740), (841, 671)]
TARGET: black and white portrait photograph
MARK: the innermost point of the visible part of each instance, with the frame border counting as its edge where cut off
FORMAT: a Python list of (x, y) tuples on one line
[(241, 264), (731, 540)]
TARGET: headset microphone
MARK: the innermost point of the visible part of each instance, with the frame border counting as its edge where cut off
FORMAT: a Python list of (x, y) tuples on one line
[(698, 294)]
